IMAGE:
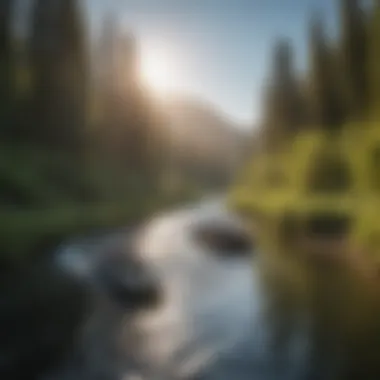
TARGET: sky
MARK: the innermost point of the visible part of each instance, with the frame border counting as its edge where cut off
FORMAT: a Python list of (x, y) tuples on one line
[(219, 49)]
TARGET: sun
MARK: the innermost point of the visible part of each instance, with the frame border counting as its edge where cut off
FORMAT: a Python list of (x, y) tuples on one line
[(159, 69)]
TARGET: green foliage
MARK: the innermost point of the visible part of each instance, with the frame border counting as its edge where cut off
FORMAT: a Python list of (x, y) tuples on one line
[(45, 197), (59, 174), (34, 178), (26, 231), (342, 81), (342, 84)]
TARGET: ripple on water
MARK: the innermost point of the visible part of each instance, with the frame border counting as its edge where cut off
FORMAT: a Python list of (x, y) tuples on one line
[(211, 325), (211, 300)]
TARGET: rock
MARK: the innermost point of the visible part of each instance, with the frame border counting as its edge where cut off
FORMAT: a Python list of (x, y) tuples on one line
[(47, 308), (128, 280), (224, 239)]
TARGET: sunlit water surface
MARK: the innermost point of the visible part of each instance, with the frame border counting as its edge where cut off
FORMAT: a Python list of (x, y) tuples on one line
[(211, 324)]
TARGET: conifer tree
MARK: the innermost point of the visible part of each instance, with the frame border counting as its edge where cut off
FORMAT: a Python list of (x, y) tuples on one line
[(114, 95), (353, 59), (126, 116), (59, 72), (374, 59), (325, 102), (284, 113), (72, 73), (6, 65)]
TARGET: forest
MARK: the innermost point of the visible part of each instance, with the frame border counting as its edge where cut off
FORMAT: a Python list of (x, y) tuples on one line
[(340, 85), (319, 124), (84, 144)]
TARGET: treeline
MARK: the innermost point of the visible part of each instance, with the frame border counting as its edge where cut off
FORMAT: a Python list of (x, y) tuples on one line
[(76, 125), (341, 83)]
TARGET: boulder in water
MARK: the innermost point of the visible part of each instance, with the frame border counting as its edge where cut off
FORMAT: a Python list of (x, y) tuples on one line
[(224, 238), (128, 280)]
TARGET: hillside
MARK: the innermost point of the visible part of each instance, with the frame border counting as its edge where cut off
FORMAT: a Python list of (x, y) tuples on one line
[(203, 133)]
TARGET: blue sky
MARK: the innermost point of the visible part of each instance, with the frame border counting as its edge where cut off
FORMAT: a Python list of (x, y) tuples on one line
[(222, 46)]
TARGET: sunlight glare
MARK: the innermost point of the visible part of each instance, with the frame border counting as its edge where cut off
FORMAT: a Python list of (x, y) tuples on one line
[(159, 69)]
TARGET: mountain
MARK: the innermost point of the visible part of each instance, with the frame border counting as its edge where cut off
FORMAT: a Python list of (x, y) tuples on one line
[(202, 133)]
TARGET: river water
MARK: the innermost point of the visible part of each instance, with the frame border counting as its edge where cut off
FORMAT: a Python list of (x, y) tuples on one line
[(211, 325)]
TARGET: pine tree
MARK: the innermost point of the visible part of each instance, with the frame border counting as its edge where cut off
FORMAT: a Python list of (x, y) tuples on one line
[(114, 94), (353, 59), (325, 103), (73, 72), (126, 110), (283, 115), (43, 64), (59, 72), (374, 66), (6, 66), (129, 132)]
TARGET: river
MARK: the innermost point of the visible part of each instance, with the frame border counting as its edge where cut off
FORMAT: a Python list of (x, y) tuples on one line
[(211, 325)]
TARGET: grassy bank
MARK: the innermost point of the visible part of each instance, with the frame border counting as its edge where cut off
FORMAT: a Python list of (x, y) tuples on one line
[(25, 234), (46, 197)]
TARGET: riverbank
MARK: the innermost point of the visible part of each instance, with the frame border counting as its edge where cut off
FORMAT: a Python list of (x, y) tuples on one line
[(28, 233), (208, 308)]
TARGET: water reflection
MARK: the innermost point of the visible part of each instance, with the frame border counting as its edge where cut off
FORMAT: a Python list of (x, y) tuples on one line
[(212, 323), (209, 301)]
